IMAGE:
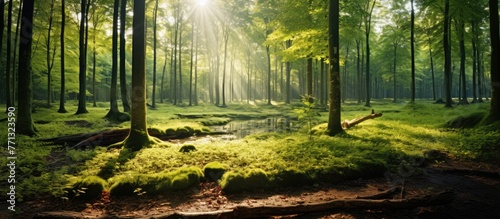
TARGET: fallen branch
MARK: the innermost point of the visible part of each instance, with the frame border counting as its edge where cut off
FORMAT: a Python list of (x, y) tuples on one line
[(348, 124), (442, 198)]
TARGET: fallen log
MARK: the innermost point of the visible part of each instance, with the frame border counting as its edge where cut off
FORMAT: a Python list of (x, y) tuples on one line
[(438, 199), (348, 124)]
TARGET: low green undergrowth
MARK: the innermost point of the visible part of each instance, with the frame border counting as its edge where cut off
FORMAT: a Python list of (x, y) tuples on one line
[(397, 140)]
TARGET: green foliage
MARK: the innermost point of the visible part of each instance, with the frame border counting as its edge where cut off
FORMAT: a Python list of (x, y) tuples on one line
[(308, 112)]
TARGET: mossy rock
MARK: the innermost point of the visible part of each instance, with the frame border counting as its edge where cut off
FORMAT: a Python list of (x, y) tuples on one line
[(233, 182), (125, 185), (184, 132), (170, 131), (214, 171), (468, 121), (187, 148), (293, 177), (90, 187), (257, 179), (185, 178)]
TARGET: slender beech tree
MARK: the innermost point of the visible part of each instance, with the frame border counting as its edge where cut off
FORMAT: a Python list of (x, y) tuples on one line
[(50, 57), (8, 70), (62, 98), (334, 126), (225, 36), (113, 110), (288, 74), (412, 42), (2, 26), (474, 61), (82, 95), (123, 50), (14, 70), (155, 20), (180, 54), (447, 55), (138, 137), (191, 65), (495, 64), (24, 124), (368, 20)]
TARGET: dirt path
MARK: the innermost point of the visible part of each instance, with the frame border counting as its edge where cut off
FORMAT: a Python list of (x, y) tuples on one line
[(476, 197)]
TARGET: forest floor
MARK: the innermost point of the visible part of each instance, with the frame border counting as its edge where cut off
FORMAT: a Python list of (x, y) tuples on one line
[(477, 195), (424, 149)]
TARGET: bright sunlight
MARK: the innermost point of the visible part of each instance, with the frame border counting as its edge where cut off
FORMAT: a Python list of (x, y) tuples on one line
[(201, 2)]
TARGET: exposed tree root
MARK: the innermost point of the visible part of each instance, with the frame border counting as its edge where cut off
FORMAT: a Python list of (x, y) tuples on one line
[(442, 198), (109, 137)]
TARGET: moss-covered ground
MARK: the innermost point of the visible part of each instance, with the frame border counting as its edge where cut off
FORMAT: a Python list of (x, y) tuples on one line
[(400, 138)]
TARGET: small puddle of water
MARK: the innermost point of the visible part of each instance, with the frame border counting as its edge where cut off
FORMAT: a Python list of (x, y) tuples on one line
[(243, 128)]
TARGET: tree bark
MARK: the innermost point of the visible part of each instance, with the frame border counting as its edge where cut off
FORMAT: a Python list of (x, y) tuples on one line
[(412, 42), (495, 64), (24, 124), (138, 137), (123, 77), (153, 96), (474, 62), (334, 127), (368, 29), (82, 78), (288, 74), (447, 55), (8, 73), (191, 65), (113, 113), (62, 98)]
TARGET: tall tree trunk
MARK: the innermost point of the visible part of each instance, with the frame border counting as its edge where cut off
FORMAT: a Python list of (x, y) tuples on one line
[(309, 79), (24, 124), (322, 79), (268, 52), (82, 95), (162, 85), (474, 62), (249, 92), (113, 110), (447, 55), (123, 51), (226, 40), (62, 98), (174, 60), (479, 76), (191, 66), (288, 74), (334, 126), (2, 26), (154, 54), (412, 41), (138, 136), (50, 58), (8, 73), (180, 55), (94, 24), (195, 95), (394, 73), (462, 61), (495, 64), (358, 71), (432, 71), (14, 70), (368, 29)]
